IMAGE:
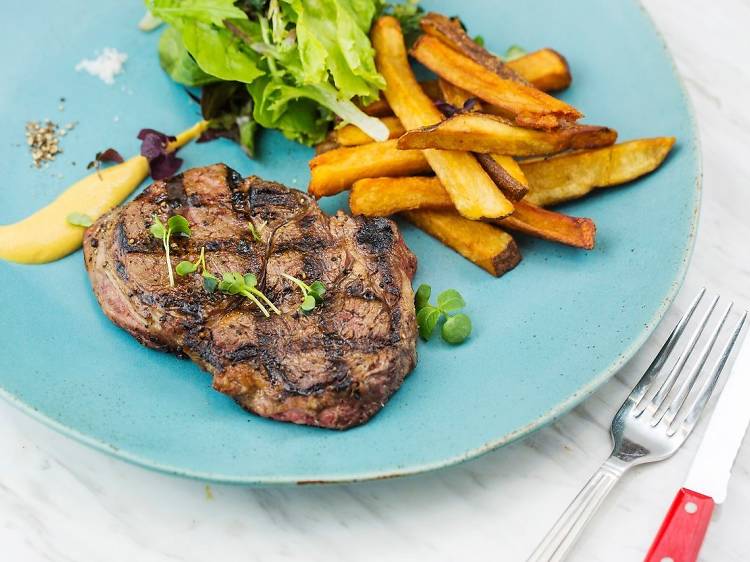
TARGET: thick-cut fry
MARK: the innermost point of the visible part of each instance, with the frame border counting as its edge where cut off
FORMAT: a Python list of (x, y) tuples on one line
[(496, 167), (526, 105), (381, 197), (571, 176), (473, 192), (503, 170), (546, 69), (451, 32), (388, 196), (486, 245), (336, 170), (479, 132), (351, 135), (579, 232)]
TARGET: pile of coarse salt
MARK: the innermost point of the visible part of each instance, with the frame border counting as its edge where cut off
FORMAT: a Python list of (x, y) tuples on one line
[(106, 66)]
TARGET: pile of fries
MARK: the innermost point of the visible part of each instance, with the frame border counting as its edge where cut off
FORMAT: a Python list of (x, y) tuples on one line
[(501, 151)]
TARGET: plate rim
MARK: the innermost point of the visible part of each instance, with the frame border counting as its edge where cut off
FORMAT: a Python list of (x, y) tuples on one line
[(546, 418)]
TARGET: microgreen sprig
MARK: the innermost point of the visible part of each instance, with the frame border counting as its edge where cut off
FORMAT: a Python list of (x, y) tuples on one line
[(176, 224), (79, 219), (312, 295), (210, 282), (234, 283), (256, 232), (456, 328)]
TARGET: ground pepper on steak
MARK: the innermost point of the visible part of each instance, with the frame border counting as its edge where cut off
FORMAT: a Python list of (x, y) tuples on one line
[(335, 367)]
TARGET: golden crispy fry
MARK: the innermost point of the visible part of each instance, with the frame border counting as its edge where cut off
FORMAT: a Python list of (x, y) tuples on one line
[(571, 176), (578, 232), (451, 32), (495, 166), (504, 171), (378, 108), (473, 192), (546, 69), (381, 197), (351, 135), (486, 245), (480, 132), (387, 196), (336, 170), (526, 105)]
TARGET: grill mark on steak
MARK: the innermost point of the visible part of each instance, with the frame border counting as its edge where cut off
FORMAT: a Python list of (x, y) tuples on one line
[(334, 367)]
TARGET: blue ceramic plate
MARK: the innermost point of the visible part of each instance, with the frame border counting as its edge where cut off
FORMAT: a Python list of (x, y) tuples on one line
[(545, 335)]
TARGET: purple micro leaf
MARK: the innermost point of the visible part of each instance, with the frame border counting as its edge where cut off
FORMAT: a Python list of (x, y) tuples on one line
[(164, 166), (446, 108), (162, 163), (107, 155), (469, 104)]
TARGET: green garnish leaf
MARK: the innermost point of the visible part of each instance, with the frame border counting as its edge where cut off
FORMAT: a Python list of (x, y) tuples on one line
[(479, 40), (185, 268), (234, 283), (312, 295), (317, 290), (514, 52), (456, 329), (79, 219), (308, 303), (422, 296), (210, 282), (254, 232), (427, 319), (450, 301), (177, 224), (157, 229)]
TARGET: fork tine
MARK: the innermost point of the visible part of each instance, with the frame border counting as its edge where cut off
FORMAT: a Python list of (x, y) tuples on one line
[(666, 387), (644, 384), (696, 409), (674, 406)]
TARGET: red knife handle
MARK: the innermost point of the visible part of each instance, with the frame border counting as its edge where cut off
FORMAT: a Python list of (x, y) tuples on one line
[(681, 533)]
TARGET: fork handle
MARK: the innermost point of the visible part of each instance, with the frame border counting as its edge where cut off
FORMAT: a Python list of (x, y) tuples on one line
[(564, 534), (681, 533)]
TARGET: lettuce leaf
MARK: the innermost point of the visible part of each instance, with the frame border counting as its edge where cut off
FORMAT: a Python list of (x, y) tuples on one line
[(303, 61), (177, 62)]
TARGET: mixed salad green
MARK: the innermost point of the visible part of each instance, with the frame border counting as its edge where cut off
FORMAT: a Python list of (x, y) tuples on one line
[(291, 65)]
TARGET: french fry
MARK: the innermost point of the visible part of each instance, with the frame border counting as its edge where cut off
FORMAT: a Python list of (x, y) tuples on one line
[(571, 176), (546, 69), (485, 245), (388, 196), (504, 171), (498, 167), (451, 32), (578, 232), (380, 107), (473, 192), (479, 132), (527, 106), (382, 197), (336, 170), (351, 135)]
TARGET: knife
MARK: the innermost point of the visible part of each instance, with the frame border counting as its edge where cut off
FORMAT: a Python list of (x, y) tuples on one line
[(681, 533)]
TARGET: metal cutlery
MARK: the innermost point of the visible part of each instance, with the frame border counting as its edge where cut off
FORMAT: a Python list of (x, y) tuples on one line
[(653, 422), (681, 534)]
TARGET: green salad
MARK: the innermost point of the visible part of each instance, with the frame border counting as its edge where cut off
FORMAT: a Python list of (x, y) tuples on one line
[(292, 65)]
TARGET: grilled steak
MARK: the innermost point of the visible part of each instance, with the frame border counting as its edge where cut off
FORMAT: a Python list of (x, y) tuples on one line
[(334, 367)]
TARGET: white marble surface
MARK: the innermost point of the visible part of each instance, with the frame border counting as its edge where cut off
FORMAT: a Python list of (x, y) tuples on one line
[(61, 501)]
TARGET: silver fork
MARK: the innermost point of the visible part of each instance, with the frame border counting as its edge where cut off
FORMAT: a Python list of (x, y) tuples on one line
[(648, 427)]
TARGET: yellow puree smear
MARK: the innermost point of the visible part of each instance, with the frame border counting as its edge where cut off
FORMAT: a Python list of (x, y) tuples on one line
[(47, 236)]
